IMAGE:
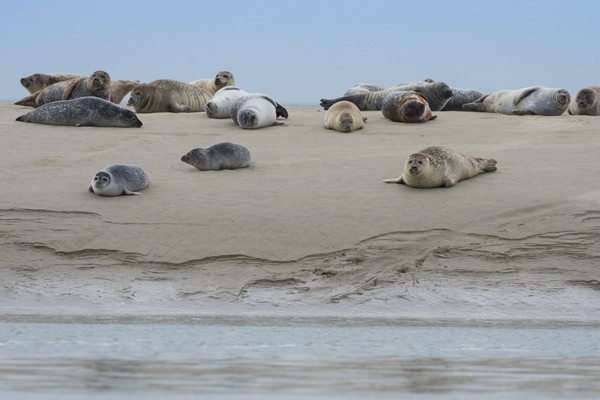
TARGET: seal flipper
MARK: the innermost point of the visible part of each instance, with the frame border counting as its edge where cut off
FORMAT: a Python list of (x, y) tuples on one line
[(522, 112), (91, 189), (69, 89), (280, 111), (129, 192), (477, 105), (29, 101), (524, 94), (396, 180)]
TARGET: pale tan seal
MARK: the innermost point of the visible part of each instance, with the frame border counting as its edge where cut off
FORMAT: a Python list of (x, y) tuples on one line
[(97, 85), (344, 117), (222, 79), (120, 88), (166, 95), (406, 106), (586, 102), (439, 166), (535, 100), (36, 82)]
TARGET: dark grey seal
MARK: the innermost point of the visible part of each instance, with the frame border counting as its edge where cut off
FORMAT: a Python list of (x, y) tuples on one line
[(222, 155), (118, 179), (84, 111), (586, 102), (460, 97)]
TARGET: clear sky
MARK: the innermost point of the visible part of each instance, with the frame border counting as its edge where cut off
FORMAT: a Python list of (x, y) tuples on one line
[(304, 50)]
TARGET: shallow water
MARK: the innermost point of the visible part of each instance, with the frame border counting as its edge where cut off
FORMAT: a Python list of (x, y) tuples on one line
[(183, 357)]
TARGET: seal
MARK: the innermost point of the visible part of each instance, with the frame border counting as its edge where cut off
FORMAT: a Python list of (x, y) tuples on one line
[(436, 93), (222, 102), (118, 179), (360, 88), (345, 117), (36, 82), (97, 84), (120, 88), (440, 166), (586, 102), (222, 79), (460, 97), (256, 110), (83, 111), (406, 106), (535, 100), (167, 95), (222, 155)]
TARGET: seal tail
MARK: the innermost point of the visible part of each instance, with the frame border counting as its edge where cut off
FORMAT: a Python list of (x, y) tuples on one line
[(487, 164)]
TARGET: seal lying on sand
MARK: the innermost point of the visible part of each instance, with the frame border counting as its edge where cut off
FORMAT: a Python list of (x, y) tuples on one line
[(256, 110), (406, 106), (222, 155), (97, 84), (222, 102), (118, 179), (436, 93), (36, 82), (120, 88), (440, 166), (534, 100), (586, 102), (223, 79), (460, 97), (360, 88), (344, 116), (166, 95), (84, 111)]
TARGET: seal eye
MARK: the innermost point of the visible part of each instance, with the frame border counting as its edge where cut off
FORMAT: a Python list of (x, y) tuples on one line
[(420, 162)]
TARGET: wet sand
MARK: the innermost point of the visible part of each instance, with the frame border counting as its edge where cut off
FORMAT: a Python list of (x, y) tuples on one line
[(309, 229)]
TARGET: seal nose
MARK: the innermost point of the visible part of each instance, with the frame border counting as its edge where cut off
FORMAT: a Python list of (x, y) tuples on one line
[(414, 109), (185, 158)]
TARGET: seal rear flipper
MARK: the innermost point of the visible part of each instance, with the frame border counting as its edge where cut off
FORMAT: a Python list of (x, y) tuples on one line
[(29, 101), (525, 93), (328, 103), (473, 107), (280, 111)]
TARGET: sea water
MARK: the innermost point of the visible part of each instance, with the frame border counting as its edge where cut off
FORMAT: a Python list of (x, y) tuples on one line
[(215, 357)]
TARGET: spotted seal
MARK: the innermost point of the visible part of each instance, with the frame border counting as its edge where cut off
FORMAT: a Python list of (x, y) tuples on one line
[(439, 166), (535, 100), (222, 102), (586, 102), (222, 79), (344, 116), (36, 82), (222, 155), (256, 110), (83, 111), (167, 95), (436, 93), (406, 106), (97, 84), (118, 179), (460, 97)]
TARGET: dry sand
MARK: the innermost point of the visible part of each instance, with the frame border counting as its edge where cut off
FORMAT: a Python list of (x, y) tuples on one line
[(309, 228)]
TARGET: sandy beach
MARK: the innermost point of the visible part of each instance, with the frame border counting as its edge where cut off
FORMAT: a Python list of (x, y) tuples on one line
[(309, 228)]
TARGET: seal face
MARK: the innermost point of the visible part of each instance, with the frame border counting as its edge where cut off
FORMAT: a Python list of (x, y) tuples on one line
[(345, 117), (167, 95), (222, 155), (119, 179), (406, 106), (535, 100), (436, 93), (586, 102), (83, 111), (221, 104), (221, 80), (256, 110), (440, 166)]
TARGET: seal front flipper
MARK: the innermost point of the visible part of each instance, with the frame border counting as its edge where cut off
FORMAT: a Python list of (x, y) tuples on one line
[(91, 189), (129, 192), (525, 93), (280, 111), (522, 112), (69, 89), (396, 180)]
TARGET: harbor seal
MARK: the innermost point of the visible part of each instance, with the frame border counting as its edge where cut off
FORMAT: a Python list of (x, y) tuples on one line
[(120, 88), (535, 100), (436, 93), (97, 84), (439, 166), (222, 79), (360, 88), (460, 97), (118, 179), (83, 111), (345, 117), (586, 102), (36, 82), (222, 102), (166, 95), (222, 155), (406, 106), (256, 110)]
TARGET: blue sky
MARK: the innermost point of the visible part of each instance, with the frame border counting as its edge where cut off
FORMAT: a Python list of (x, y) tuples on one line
[(302, 51)]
